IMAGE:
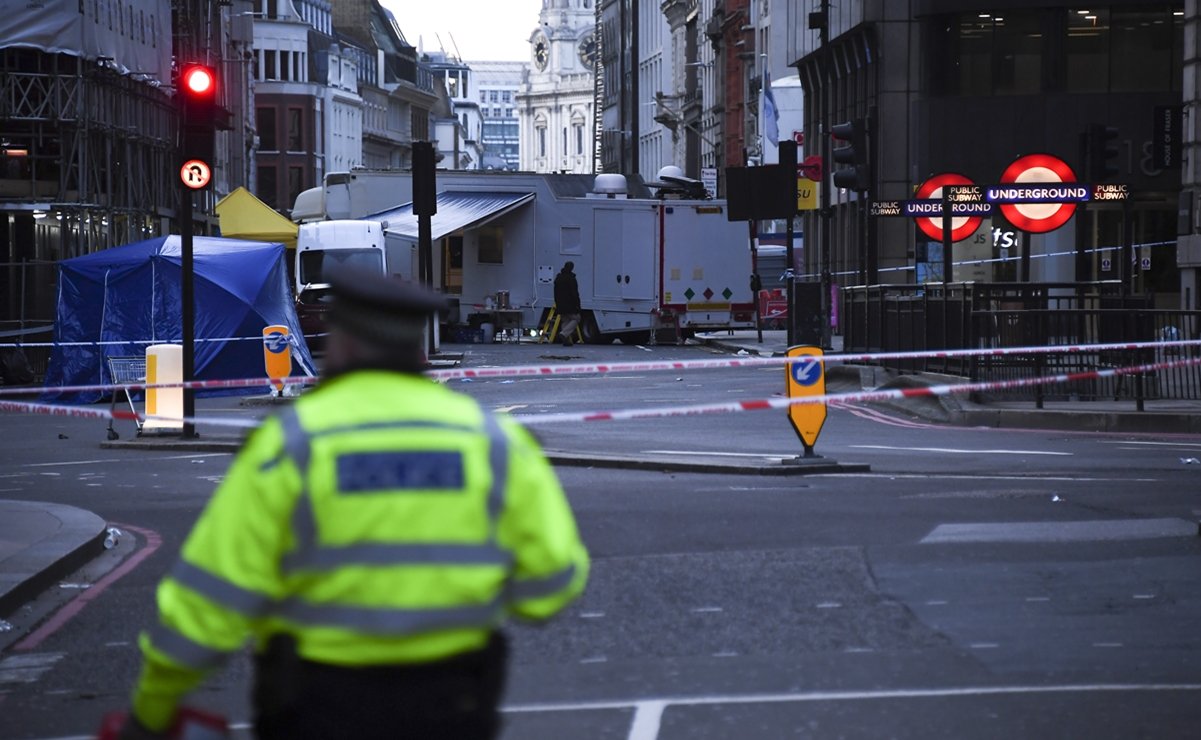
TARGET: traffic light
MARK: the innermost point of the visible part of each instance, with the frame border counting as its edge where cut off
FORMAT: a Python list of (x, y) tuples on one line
[(1100, 151), (858, 176), (200, 116)]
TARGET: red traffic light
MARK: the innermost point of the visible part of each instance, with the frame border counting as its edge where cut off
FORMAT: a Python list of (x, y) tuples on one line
[(199, 80)]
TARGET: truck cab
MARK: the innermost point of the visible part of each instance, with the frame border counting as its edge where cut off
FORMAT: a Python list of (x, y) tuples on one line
[(325, 244)]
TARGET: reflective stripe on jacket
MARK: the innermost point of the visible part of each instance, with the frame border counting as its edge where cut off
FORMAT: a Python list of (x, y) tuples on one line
[(383, 519)]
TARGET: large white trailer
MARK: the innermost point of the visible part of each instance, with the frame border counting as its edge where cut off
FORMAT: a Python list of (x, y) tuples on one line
[(642, 262)]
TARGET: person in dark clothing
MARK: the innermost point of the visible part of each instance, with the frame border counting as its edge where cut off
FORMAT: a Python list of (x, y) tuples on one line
[(567, 302)]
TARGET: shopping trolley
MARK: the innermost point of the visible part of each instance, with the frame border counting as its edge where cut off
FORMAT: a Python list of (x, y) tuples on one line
[(125, 370)]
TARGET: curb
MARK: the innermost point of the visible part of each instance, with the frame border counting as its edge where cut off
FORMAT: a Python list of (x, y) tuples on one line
[(209, 444), (36, 568), (559, 458), (666, 465), (1135, 422)]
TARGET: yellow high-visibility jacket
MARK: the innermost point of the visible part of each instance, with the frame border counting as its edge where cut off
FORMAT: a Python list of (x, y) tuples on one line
[(383, 519)]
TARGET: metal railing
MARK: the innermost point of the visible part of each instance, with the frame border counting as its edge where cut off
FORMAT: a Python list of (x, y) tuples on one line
[(900, 318)]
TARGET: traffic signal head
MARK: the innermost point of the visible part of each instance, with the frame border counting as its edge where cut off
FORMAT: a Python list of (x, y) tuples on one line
[(198, 93), (858, 176), (1101, 151), (200, 116)]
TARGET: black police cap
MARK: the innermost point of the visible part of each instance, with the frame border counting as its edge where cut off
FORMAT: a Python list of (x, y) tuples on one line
[(382, 293)]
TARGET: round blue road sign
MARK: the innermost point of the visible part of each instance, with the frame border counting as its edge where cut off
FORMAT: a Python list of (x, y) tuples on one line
[(806, 372), (276, 342)]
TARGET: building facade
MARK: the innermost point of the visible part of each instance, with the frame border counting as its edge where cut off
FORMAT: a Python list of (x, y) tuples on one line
[(498, 84), (555, 105), (396, 89), (959, 86), (458, 121)]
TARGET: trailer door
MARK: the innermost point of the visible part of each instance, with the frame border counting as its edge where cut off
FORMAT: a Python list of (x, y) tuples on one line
[(638, 255), (607, 253)]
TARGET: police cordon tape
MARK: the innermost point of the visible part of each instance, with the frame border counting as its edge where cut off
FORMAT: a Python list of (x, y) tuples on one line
[(624, 367), (666, 411), (116, 342)]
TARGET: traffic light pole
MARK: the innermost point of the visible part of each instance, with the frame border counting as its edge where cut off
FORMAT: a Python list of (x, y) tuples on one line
[(827, 212), (188, 312)]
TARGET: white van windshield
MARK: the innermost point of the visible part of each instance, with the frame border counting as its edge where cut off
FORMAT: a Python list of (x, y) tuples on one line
[(314, 262)]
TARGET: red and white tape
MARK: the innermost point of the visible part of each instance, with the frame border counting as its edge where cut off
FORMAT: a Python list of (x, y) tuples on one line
[(667, 411), (841, 398), (625, 367)]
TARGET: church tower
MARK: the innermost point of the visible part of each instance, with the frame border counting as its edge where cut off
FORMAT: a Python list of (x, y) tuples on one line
[(556, 99)]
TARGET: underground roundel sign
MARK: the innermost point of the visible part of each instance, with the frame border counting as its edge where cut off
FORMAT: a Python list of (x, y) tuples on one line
[(961, 227), (1038, 218)]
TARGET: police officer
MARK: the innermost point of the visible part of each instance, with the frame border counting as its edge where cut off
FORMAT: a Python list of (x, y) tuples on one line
[(370, 539)]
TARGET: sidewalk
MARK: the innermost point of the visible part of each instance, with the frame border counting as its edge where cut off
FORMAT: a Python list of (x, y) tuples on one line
[(1163, 417), (41, 543)]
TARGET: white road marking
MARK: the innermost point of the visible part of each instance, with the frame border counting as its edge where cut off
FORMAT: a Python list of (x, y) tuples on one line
[(27, 668), (1084, 531), (935, 603), (1144, 596), (507, 409), (120, 460), (954, 451), (725, 654), (1152, 444), (859, 650), (934, 476), (601, 659), (707, 609), (828, 605), (983, 645), (648, 715), (1038, 598), (9, 490), (769, 455), (653, 708), (592, 615)]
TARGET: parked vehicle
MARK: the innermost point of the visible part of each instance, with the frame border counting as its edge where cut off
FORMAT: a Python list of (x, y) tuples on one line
[(642, 262)]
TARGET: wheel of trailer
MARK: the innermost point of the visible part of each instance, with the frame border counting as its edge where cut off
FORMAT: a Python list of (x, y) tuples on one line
[(591, 332)]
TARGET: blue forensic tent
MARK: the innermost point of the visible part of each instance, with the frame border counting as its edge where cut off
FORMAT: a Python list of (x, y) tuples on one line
[(132, 293)]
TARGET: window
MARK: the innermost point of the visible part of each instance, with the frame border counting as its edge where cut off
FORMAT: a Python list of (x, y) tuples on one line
[(452, 85), (295, 130), (267, 132), (1142, 49), (579, 139), (493, 95), (1086, 51), (267, 186), (542, 142), (295, 184), (270, 58), (508, 112), (496, 112), (285, 65), (507, 96), (491, 245), (482, 96), (564, 140), (570, 240)]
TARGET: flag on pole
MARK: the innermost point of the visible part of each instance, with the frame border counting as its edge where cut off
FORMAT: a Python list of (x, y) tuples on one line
[(771, 114)]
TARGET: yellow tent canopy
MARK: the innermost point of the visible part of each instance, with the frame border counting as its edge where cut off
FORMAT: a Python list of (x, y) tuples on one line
[(244, 216)]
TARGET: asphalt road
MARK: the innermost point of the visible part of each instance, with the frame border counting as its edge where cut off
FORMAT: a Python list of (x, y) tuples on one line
[(727, 606)]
